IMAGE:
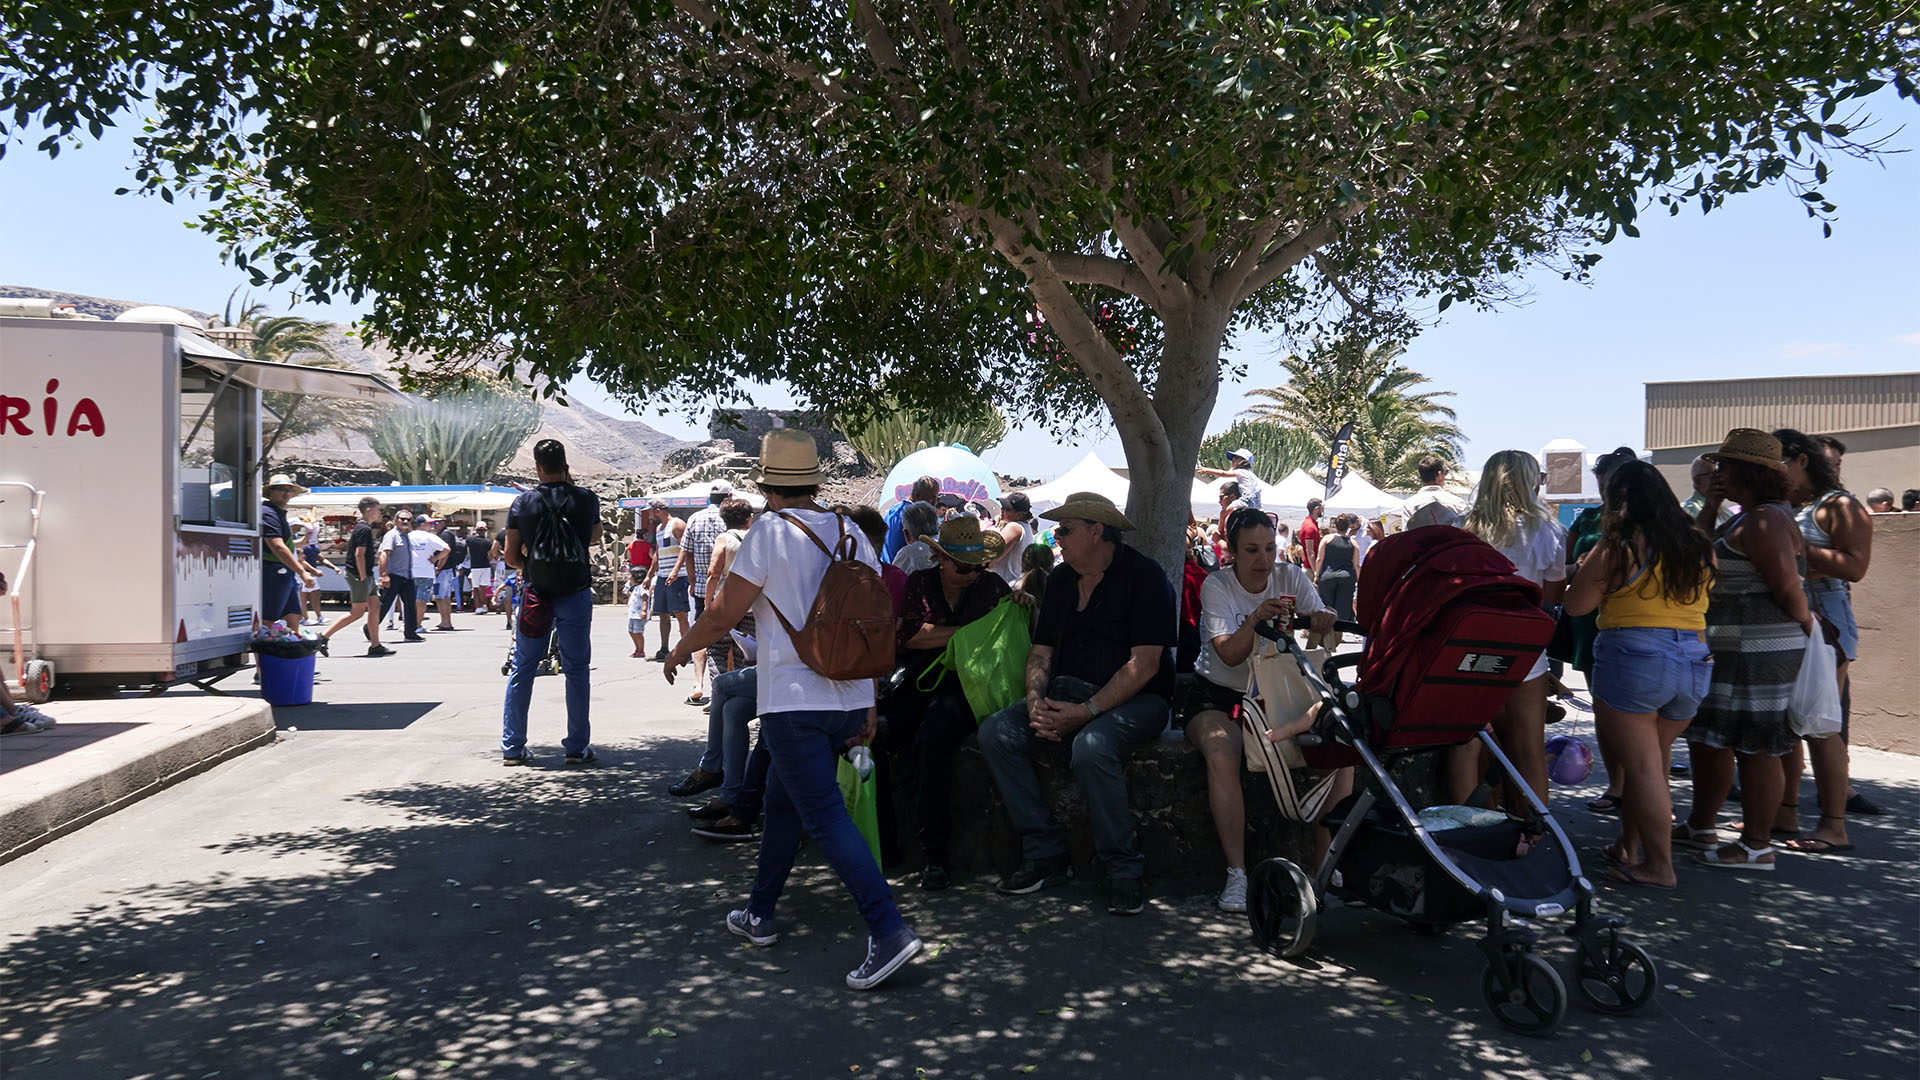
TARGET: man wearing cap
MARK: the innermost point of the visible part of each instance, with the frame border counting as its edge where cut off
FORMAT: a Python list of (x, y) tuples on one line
[(926, 489), (808, 720), (1099, 680), (703, 528), (548, 534), (284, 572), (1240, 468), (361, 569)]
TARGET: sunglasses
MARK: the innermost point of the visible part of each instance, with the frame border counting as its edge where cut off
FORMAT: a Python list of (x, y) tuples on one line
[(1069, 530)]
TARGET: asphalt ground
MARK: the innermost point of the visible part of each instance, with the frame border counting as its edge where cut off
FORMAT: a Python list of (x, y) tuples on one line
[(375, 896)]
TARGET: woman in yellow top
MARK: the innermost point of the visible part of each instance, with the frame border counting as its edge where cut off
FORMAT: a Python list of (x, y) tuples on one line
[(1649, 576)]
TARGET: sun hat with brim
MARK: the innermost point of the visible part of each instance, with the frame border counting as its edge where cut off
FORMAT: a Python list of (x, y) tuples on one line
[(282, 480), (1243, 454), (1750, 445), (788, 458), (963, 540), (1090, 506)]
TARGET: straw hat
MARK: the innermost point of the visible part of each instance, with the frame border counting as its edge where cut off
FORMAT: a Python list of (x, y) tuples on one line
[(1090, 506), (1750, 445), (962, 540), (282, 480), (788, 458)]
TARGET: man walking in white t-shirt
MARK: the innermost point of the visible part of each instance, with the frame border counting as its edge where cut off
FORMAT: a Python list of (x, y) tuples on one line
[(812, 718), (1433, 504)]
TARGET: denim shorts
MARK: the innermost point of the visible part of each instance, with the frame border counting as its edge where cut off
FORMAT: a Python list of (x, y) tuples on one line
[(1642, 669), (1832, 602)]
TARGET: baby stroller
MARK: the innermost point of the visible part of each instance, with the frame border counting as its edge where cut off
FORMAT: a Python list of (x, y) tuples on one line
[(1451, 630), (550, 664)]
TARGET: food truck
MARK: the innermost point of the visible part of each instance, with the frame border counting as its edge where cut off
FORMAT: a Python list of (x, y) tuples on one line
[(145, 438)]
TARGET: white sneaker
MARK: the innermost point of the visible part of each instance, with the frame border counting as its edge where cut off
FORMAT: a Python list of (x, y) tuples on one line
[(1233, 897)]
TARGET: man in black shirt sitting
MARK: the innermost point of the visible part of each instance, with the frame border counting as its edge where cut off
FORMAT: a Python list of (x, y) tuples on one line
[(1099, 678)]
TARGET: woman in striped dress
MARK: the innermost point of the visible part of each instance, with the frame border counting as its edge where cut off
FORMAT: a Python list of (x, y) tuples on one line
[(1757, 626)]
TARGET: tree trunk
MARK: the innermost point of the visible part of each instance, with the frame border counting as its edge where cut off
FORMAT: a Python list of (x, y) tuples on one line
[(1160, 463)]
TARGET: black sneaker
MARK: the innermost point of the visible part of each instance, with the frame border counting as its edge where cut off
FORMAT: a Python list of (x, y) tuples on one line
[(1858, 803), (659, 657), (727, 829), (1128, 896), (708, 811), (883, 959), (1032, 875), (379, 650), (583, 757), (934, 877), (697, 781), (415, 638)]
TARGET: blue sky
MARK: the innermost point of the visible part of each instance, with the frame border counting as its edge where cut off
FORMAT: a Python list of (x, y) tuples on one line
[(1749, 290)]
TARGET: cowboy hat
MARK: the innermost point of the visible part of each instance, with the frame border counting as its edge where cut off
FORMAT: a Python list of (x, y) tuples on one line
[(1750, 445), (280, 480), (962, 540), (1090, 506), (788, 458)]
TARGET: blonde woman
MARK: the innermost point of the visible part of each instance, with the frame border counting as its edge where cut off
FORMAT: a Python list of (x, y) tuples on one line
[(1509, 514)]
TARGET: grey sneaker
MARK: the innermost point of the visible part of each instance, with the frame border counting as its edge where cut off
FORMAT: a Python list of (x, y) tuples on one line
[(883, 959), (756, 931), (1233, 897), (24, 711)]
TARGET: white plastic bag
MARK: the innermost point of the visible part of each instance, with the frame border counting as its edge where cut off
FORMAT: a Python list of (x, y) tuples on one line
[(1813, 709)]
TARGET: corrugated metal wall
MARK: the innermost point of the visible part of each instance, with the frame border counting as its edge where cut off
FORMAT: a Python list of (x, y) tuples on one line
[(1681, 414)]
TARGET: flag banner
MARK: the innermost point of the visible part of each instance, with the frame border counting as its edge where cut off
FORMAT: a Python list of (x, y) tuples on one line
[(1337, 460)]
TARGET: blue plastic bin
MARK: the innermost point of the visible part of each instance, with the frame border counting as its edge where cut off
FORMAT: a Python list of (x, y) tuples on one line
[(284, 681)]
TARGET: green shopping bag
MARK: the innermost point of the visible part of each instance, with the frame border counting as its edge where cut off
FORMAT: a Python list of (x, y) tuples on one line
[(862, 794), (989, 655)]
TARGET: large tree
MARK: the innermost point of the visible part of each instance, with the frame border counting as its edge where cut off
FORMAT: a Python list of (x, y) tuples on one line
[(862, 200)]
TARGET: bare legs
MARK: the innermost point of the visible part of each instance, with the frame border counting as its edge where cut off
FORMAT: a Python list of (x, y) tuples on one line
[(1521, 728), (1218, 739), (1643, 749), (1761, 781)]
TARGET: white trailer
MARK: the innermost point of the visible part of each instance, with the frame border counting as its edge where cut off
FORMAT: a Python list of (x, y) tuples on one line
[(145, 439)]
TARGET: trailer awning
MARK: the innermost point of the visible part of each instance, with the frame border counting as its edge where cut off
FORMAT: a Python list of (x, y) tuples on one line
[(295, 378)]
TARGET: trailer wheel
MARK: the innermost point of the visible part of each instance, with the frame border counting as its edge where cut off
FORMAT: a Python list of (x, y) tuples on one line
[(1282, 907), (38, 677)]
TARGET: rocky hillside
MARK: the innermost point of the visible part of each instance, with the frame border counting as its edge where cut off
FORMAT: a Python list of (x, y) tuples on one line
[(598, 444)]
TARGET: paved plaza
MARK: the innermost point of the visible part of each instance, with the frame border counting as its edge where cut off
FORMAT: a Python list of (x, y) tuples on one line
[(373, 895)]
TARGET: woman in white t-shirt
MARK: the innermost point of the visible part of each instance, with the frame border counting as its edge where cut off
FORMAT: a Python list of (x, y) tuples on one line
[(1233, 601), (1509, 514)]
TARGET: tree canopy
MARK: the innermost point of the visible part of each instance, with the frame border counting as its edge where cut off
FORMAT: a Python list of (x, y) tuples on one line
[(891, 200)]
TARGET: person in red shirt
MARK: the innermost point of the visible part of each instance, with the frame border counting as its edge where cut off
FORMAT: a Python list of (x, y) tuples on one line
[(639, 562), (1309, 537)]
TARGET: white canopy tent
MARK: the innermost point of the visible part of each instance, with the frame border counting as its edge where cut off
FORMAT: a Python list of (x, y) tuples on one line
[(1090, 474), (1357, 495), (1206, 497)]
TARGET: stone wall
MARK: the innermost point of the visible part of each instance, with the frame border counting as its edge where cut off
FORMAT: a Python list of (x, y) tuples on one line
[(1886, 677), (745, 427)]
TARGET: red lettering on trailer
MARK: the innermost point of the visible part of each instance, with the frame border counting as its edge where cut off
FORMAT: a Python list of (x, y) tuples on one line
[(88, 412), (12, 411), (84, 419), (49, 407)]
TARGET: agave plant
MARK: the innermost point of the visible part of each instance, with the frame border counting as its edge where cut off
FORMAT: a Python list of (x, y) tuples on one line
[(885, 437), (460, 433)]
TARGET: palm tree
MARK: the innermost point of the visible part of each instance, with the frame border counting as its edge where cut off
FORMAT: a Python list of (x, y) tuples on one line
[(289, 339), (1396, 423)]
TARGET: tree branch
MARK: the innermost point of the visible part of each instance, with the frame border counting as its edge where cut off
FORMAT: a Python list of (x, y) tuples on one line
[(797, 70), (1168, 291), (1120, 34), (886, 57), (1288, 255), (957, 50), (1102, 270)]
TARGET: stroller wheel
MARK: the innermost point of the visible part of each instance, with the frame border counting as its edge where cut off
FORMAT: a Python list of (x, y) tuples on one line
[(506, 668), (1616, 977), (1536, 1001), (1282, 907)]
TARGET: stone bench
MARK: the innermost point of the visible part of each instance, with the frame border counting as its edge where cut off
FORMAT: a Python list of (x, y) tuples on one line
[(1166, 786)]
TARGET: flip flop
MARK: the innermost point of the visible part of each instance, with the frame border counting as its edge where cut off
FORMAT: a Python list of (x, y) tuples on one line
[(1626, 877), (1605, 804), (1826, 847)]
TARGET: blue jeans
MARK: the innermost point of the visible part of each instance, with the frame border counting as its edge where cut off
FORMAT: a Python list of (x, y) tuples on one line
[(1099, 758), (735, 701), (804, 793), (572, 621)]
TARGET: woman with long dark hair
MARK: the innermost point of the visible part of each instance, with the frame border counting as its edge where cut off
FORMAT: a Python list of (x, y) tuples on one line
[(1648, 575), (1757, 626), (1839, 539)]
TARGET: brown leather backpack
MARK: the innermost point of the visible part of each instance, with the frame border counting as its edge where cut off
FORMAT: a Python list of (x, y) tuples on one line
[(850, 628)]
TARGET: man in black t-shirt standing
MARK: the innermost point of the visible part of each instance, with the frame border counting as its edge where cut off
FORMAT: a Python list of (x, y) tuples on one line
[(361, 567), (549, 530), (1099, 678)]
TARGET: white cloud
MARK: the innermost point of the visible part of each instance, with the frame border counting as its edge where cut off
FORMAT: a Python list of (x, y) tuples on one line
[(1907, 339), (1800, 351)]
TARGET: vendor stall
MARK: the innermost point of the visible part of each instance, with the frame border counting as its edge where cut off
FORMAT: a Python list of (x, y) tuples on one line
[(146, 440)]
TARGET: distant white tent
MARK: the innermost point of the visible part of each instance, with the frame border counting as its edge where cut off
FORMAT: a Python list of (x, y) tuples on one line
[(1206, 497), (1090, 474), (1357, 495)]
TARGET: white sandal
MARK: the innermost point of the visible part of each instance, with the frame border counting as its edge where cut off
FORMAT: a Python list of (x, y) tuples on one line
[(1751, 862), (1687, 836)]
